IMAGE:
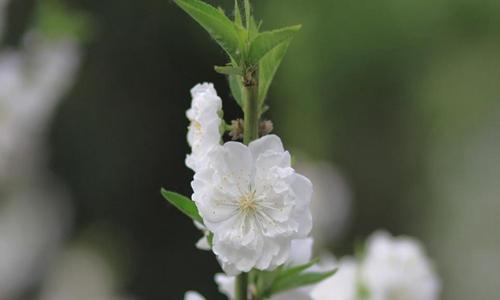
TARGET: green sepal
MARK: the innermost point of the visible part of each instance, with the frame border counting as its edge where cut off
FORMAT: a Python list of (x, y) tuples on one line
[(228, 70), (182, 203), (267, 41), (216, 23)]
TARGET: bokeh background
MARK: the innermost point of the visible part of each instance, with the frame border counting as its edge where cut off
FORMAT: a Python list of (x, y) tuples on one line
[(395, 104)]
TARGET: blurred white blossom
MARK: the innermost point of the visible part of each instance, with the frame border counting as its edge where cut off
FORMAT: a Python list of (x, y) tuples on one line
[(193, 296), (32, 81), (32, 221), (81, 273), (341, 286), (396, 268), (331, 201), (33, 212), (204, 129), (254, 203)]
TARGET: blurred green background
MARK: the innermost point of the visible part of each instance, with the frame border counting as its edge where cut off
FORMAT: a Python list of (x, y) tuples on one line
[(402, 96)]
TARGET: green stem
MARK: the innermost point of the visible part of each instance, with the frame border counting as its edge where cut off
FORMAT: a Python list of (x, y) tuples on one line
[(241, 287), (251, 111)]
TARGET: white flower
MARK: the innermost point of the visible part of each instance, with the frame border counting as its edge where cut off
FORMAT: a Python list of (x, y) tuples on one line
[(204, 129), (340, 286), (398, 269), (300, 253), (193, 296), (254, 203)]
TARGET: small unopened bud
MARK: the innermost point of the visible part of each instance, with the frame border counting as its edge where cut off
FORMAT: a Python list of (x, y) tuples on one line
[(265, 127), (236, 132), (237, 129)]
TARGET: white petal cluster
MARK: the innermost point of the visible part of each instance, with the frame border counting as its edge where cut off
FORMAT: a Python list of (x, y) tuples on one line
[(394, 268), (254, 203), (397, 269), (204, 128), (300, 253)]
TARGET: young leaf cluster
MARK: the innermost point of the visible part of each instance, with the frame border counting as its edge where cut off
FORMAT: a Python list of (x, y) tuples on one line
[(254, 56), (283, 279)]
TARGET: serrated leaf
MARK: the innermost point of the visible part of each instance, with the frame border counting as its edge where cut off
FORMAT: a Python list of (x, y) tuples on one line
[(236, 86), (182, 203), (268, 66), (228, 70), (215, 22), (299, 280), (296, 269), (267, 41)]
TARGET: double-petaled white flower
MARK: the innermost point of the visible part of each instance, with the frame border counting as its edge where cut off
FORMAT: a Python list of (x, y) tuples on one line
[(204, 129), (398, 269), (254, 203)]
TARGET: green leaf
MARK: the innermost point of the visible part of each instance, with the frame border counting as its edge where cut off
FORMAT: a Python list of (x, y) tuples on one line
[(296, 269), (228, 70), (248, 13), (237, 14), (267, 41), (215, 22), (268, 66), (183, 204), (299, 280), (236, 86)]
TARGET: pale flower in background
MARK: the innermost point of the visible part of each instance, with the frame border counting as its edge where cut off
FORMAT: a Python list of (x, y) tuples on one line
[(331, 201), (32, 81), (341, 286), (396, 268), (254, 203), (81, 273), (193, 296), (32, 223), (204, 129)]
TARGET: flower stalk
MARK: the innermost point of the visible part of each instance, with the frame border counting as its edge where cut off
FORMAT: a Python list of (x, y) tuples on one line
[(241, 287)]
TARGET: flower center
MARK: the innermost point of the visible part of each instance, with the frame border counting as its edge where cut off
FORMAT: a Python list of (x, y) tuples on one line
[(197, 126), (247, 203)]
